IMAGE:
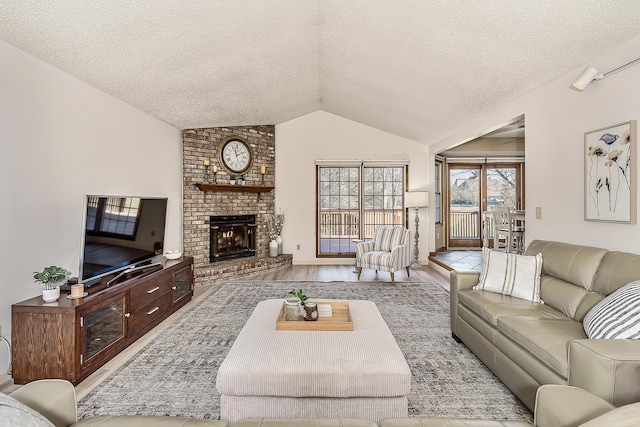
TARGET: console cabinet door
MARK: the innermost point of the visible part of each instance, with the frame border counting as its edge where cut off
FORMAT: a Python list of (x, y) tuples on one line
[(103, 330), (182, 284)]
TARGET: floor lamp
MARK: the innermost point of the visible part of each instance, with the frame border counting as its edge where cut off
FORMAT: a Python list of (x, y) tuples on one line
[(416, 200)]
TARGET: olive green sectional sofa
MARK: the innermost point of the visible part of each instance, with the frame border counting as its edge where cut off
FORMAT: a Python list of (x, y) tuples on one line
[(528, 344)]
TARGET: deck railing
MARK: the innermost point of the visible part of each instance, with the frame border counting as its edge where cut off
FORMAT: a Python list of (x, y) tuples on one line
[(464, 225), (347, 224)]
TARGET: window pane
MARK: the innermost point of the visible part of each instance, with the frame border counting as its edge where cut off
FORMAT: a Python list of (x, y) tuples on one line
[(339, 219), (501, 187), (341, 201)]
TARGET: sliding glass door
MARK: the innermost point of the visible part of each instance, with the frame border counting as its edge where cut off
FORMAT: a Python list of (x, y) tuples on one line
[(353, 200), (473, 190)]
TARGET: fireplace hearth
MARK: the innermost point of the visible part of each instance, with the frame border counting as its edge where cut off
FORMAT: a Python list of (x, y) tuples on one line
[(232, 236)]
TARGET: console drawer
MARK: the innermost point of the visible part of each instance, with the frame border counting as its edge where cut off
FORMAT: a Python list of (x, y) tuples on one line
[(145, 293), (149, 312)]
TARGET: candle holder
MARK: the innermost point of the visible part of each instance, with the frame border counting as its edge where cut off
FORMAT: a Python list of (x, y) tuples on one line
[(215, 177), (262, 181), (207, 174)]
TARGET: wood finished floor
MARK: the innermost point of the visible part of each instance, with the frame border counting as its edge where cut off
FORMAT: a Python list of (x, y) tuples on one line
[(319, 273)]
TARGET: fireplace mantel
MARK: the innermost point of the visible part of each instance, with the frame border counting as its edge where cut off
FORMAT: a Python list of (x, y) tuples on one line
[(235, 188)]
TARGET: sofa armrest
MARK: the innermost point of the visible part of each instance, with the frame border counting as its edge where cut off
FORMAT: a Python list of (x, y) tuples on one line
[(563, 406), (609, 368), (54, 399), (458, 281)]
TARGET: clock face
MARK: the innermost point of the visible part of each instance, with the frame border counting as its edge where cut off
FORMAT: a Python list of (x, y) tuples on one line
[(235, 155)]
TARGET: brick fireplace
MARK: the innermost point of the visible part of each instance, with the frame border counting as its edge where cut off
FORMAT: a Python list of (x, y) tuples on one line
[(200, 206)]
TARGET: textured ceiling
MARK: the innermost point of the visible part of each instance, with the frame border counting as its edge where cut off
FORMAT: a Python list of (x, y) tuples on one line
[(416, 69)]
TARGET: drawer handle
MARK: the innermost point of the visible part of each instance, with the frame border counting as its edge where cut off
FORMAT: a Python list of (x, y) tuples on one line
[(153, 311), (150, 291)]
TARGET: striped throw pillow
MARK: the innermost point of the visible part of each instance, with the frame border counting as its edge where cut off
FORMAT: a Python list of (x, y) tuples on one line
[(616, 316), (511, 274)]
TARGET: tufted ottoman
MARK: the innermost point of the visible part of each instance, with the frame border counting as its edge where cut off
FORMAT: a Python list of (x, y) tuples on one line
[(271, 373)]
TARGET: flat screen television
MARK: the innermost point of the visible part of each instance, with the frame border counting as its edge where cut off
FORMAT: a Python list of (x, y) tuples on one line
[(120, 233)]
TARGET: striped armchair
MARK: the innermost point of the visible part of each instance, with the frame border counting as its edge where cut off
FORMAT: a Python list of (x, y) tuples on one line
[(388, 251)]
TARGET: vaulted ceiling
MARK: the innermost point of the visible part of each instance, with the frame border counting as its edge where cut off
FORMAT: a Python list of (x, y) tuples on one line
[(414, 68)]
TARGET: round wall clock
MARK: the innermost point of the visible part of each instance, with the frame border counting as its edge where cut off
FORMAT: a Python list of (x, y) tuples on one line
[(235, 155)]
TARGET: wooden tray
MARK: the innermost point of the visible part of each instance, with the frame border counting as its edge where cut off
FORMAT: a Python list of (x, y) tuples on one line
[(339, 321)]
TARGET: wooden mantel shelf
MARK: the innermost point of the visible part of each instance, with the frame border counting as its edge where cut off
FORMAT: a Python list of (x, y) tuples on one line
[(235, 188)]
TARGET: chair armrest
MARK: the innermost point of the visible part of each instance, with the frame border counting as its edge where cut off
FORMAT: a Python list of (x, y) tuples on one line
[(459, 281), (364, 247), (564, 406), (401, 256), (54, 399), (609, 368)]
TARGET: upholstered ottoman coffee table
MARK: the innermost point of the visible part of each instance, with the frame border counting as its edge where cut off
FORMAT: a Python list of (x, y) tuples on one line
[(271, 373)]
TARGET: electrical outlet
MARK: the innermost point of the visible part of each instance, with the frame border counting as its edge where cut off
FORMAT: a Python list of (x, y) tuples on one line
[(298, 247), (539, 212)]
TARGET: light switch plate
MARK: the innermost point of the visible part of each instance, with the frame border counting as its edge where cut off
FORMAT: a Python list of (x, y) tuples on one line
[(539, 212)]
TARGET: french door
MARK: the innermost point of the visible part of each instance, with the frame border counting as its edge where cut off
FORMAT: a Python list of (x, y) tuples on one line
[(473, 190), (465, 207)]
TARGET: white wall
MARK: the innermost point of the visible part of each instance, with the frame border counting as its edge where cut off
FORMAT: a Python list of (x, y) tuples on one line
[(556, 119), (59, 140), (324, 136)]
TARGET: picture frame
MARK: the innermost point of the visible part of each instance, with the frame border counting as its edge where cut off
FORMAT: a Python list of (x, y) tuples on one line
[(610, 174)]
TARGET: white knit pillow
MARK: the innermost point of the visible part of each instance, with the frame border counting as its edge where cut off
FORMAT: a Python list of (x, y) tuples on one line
[(616, 316), (511, 274)]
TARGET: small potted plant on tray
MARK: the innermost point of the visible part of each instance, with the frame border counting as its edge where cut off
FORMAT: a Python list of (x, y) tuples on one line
[(51, 279)]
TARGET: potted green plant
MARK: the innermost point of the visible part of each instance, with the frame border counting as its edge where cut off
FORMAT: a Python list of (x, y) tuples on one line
[(51, 278), (299, 294)]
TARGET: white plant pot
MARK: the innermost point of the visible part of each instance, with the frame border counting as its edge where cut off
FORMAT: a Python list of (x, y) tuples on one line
[(51, 295)]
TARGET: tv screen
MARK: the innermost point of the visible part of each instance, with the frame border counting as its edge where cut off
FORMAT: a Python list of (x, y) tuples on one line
[(120, 232)]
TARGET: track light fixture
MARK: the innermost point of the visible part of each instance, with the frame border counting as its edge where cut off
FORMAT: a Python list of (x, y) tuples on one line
[(590, 75)]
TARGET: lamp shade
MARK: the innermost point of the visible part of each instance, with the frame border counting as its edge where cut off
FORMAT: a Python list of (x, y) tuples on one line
[(585, 78), (416, 199)]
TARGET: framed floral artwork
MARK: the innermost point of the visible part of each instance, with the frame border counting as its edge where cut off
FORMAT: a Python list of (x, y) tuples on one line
[(610, 174)]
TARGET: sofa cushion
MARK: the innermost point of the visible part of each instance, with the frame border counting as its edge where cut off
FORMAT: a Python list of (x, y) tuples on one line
[(561, 295), (574, 264), (16, 413), (616, 270), (147, 421), (616, 316), (449, 422), (625, 416), (492, 306), (546, 339), (511, 274)]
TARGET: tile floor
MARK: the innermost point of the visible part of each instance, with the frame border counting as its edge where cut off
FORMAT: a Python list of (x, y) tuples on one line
[(462, 260)]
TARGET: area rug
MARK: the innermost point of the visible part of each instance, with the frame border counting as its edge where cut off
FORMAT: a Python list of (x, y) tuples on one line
[(176, 373)]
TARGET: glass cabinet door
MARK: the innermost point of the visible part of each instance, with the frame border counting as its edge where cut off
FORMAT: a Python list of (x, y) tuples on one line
[(102, 327), (181, 283)]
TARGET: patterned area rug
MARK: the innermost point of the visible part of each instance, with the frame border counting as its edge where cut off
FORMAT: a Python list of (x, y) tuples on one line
[(176, 373)]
